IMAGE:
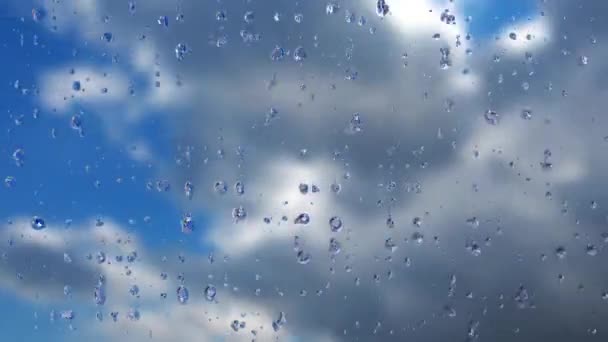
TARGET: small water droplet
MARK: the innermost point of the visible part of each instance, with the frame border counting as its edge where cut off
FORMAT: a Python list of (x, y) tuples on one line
[(299, 54), (335, 223), (249, 17), (560, 252), (210, 293), (220, 187), (181, 50), (491, 117), (277, 54), (331, 8), (19, 156), (182, 294), (163, 20)]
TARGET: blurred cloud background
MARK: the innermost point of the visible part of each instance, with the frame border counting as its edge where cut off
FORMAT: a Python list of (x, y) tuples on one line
[(458, 143)]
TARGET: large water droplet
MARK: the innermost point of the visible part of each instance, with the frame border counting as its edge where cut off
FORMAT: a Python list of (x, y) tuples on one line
[(299, 54), (276, 325), (303, 218), (382, 8), (491, 117)]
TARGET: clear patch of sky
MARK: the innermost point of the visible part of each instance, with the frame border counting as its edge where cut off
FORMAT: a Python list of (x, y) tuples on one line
[(53, 182), (490, 16)]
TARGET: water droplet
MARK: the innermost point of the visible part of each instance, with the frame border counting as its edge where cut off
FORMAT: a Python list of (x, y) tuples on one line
[(38, 14), (513, 36), (182, 294), (390, 223), (163, 20), (417, 221), (277, 54), (418, 237), (235, 325), (473, 222), (239, 188), (560, 252), (445, 61), (133, 314), (100, 257), (276, 325), (303, 218), (334, 246), (188, 190), (99, 294), (239, 213), (491, 117), (473, 247), (210, 293), (67, 290), (526, 114), (187, 224), (181, 50), (298, 18), (9, 181), (390, 245), (19, 156), (221, 15), (382, 8), (248, 17), (522, 298), (591, 250), (38, 223), (331, 8), (76, 86), (335, 187), (355, 124), (299, 54), (76, 122), (67, 315), (335, 223), (134, 290), (220, 187)]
